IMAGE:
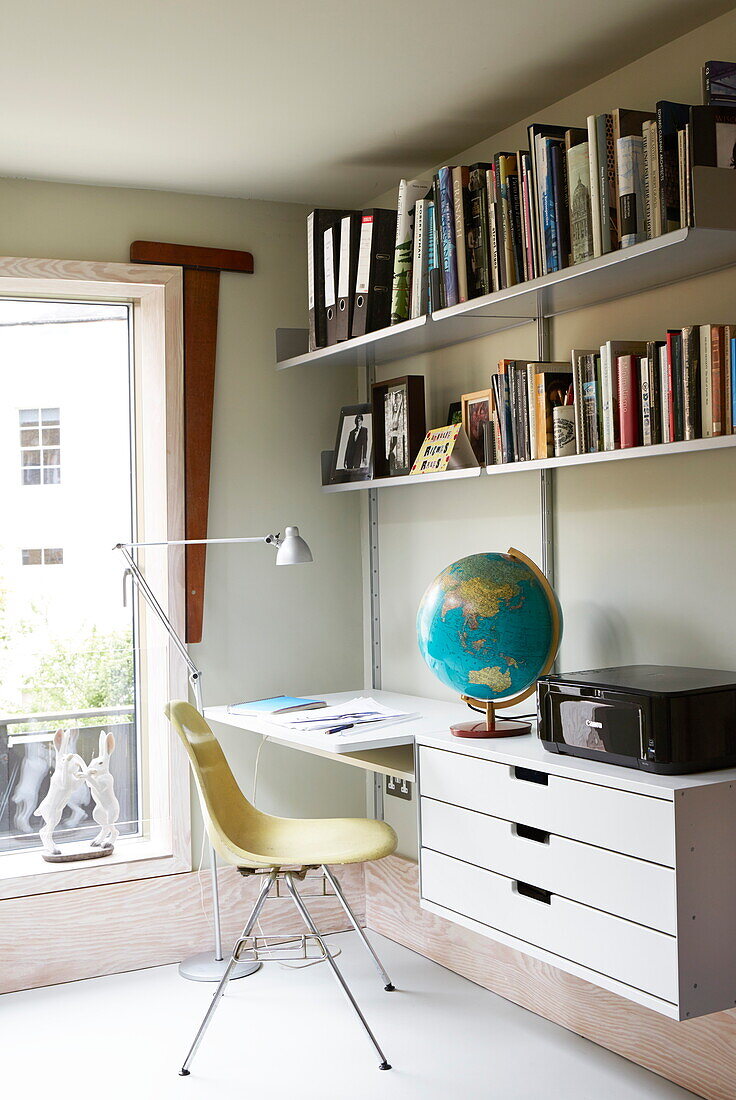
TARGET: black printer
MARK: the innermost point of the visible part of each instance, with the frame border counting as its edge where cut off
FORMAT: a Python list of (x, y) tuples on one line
[(657, 717)]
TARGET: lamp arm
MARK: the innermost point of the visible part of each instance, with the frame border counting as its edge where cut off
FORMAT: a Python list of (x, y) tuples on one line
[(198, 542), (145, 590)]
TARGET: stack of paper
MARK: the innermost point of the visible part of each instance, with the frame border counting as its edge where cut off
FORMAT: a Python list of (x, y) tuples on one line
[(355, 713)]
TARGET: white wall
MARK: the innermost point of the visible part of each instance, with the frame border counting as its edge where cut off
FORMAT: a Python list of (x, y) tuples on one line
[(265, 630), (645, 549)]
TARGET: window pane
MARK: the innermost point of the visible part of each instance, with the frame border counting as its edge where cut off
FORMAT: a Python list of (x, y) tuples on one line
[(28, 416), (50, 416), (29, 437), (54, 556), (51, 458), (50, 437), (31, 557), (52, 476), (30, 458), (32, 476)]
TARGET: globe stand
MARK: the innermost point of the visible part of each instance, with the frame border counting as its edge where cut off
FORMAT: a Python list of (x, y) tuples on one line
[(489, 726)]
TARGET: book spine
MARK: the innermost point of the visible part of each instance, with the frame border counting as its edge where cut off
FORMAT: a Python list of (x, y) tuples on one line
[(665, 395), (611, 189), (493, 241), (671, 388), (630, 177), (654, 184), (607, 399), (595, 186), (523, 402), (459, 197), (528, 218), (561, 205), (479, 275), (628, 402), (733, 384), (532, 407), (654, 390), (727, 394), (551, 246), (516, 225), (706, 393), (716, 360), (647, 134), (509, 257), (447, 238), (590, 405), (691, 378), (419, 267), (402, 258), (577, 389), (682, 173), (646, 409), (674, 344), (511, 378)]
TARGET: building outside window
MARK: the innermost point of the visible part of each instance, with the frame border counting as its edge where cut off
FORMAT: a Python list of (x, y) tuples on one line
[(40, 446), (47, 556)]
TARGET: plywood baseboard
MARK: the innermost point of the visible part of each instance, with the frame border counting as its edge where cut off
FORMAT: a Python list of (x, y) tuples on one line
[(699, 1054), (73, 934)]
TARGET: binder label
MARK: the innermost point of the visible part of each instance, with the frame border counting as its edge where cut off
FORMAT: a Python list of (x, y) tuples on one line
[(329, 269), (343, 271), (310, 259), (362, 280)]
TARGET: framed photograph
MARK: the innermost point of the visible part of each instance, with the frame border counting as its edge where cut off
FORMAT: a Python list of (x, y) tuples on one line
[(399, 424), (352, 458), (476, 413), (455, 413)]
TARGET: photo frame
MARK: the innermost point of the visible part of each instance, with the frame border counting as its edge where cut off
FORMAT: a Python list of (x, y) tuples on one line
[(352, 458), (477, 410), (399, 424)]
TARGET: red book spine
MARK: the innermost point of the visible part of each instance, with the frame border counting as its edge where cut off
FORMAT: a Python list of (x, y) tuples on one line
[(628, 403), (717, 379), (670, 388)]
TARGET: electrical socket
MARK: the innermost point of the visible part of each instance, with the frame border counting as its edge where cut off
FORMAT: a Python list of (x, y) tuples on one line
[(399, 788)]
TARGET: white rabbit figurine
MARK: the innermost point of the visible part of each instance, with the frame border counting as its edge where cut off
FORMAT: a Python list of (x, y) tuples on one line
[(68, 774), (100, 782)]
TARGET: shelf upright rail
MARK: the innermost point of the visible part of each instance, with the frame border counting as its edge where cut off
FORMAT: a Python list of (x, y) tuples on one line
[(369, 376)]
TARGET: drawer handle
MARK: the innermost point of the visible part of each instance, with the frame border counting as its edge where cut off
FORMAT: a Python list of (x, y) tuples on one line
[(529, 775), (533, 892), (528, 832)]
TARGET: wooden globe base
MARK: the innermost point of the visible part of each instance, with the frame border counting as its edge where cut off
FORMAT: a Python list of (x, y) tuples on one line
[(490, 726)]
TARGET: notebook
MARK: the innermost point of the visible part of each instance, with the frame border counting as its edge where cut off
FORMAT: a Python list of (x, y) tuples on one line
[(280, 704)]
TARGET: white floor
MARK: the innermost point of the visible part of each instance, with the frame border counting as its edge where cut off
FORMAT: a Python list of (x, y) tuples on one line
[(281, 1034)]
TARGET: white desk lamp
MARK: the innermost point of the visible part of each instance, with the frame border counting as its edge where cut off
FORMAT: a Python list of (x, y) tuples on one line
[(291, 549)]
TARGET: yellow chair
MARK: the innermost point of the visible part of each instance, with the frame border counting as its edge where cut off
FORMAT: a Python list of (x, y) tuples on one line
[(275, 847)]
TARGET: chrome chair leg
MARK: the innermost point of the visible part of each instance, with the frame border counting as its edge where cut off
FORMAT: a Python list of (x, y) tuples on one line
[(220, 991), (341, 981), (387, 983)]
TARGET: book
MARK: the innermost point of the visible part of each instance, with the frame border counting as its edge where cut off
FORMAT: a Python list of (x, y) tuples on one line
[(671, 117), (630, 176), (675, 383), (480, 280), (655, 388), (691, 382), (550, 238), (461, 210), (279, 704), (580, 211), (651, 175), (446, 448), (733, 384), (550, 383), (717, 379), (646, 408), (609, 354), (529, 234), (628, 400), (560, 202), (626, 123), (728, 334), (713, 136), (577, 359), (591, 403), (595, 186), (502, 406), (505, 164), (434, 275), (419, 297), (719, 83), (447, 237), (410, 191), (536, 132), (665, 392)]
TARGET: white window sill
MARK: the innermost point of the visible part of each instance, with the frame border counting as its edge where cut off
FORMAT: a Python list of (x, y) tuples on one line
[(24, 873)]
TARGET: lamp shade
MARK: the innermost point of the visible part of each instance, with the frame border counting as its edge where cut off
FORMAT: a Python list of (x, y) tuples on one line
[(293, 550)]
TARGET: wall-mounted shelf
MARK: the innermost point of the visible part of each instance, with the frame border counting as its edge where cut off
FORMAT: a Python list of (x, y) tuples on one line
[(719, 443), (659, 262)]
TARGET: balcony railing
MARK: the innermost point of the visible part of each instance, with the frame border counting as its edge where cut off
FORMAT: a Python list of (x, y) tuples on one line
[(27, 761)]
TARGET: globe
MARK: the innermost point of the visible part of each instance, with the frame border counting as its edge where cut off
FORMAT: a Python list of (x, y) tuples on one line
[(489, 625)]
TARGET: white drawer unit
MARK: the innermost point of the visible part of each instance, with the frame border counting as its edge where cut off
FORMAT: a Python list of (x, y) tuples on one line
[(624, 879)]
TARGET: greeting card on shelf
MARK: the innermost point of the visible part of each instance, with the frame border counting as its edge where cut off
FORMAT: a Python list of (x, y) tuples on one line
[(444, 449)]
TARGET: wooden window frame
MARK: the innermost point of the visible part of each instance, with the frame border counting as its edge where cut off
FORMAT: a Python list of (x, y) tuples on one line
[(155, 295)]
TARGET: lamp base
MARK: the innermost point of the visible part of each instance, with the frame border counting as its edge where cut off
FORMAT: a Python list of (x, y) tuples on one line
[(499, 728), (206, 968)]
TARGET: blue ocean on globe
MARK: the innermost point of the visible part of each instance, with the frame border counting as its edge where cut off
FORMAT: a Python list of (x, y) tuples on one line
[(485, 626)]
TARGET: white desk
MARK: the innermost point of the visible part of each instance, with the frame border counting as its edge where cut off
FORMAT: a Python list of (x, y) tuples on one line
[(387, 751)]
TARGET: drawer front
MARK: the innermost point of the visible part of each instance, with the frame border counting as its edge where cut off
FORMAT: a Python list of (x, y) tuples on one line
[(626, 887), (633, 824), (637, 956)]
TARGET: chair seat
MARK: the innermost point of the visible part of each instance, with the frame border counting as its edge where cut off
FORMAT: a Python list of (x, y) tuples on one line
[(285, 841)]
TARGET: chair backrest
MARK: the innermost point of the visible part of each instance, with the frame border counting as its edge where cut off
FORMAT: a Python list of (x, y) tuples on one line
[(232, 822)]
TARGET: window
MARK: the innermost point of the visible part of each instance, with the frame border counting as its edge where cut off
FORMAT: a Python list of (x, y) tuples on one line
[(77, 659), (50, 556), (40, 441)]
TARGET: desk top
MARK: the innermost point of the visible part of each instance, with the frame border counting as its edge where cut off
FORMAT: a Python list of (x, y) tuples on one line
[(434, 717)]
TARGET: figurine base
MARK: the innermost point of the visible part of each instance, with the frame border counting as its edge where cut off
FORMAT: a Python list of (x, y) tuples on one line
[(500, 728), (76, 853)]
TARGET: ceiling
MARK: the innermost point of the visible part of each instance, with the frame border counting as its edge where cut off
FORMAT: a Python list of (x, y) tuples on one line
[(326, 102)]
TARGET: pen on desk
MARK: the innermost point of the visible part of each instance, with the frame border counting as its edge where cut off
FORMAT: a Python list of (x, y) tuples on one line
[(339, 729)]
